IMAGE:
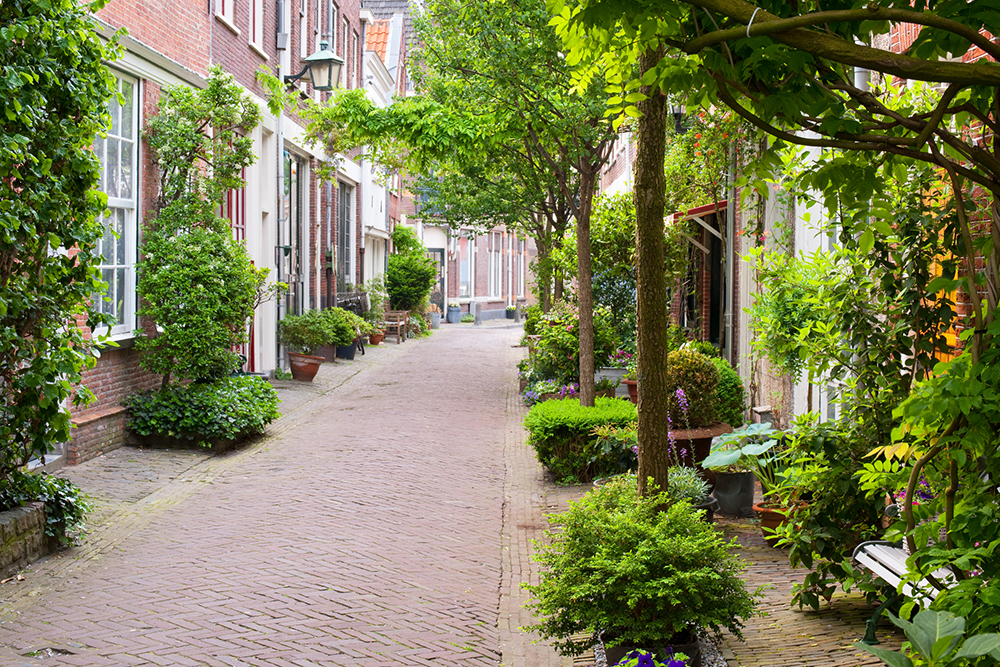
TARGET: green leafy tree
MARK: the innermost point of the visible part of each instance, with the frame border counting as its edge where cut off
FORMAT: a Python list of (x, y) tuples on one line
[(500, 82), (410, 274), (197, 284), (53, 102)]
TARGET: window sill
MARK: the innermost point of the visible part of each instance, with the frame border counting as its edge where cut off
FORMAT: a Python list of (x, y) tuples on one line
[(224, 21), (260, 51), (122, 341)]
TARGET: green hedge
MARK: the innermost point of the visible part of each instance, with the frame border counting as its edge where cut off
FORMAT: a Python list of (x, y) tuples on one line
[(228, 408), (730, 393), (562, 435)]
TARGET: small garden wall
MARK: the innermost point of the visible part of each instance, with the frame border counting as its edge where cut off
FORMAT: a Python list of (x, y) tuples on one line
[(22, 531)]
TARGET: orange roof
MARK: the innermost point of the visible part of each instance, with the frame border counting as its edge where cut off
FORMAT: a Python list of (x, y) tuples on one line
[(377, 38)]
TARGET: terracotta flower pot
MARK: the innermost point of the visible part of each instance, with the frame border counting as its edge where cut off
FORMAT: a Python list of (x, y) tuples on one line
[(376, 338), (771, 517), (633, 390), (304, 367)]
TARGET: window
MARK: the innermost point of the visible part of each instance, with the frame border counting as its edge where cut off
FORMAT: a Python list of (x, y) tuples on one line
[(343, 70), (224, 10), (465, 250), (303, 26), (331, 26), (234, 209), (117, 153), (343, 266), (257, 23), (495, 264)]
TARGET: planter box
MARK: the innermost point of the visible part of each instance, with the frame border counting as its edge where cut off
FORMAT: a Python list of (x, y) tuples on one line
[(609, 373), (215, 445), (24, 540)]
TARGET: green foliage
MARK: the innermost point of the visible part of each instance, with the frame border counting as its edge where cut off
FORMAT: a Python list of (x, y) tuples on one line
[(195, 129), (562, 434), (615, 441), (730, 395), (314, 328), (405, 241), (53, 102), (468, 318), (620, 564), (66, 506), (695, 375), (409, 279), (557, 355), (197, 285), (418, 326), (200, 287), (687, 484), (936, 640), (227, 408), (532, 320), (826, 460), (378, 298)]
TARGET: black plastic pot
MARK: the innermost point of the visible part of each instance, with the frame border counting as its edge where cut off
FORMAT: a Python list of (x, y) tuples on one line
[(347, 351), (734, 491), (687, 644)]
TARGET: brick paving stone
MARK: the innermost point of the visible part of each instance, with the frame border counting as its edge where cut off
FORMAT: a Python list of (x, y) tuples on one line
[(385, 519)]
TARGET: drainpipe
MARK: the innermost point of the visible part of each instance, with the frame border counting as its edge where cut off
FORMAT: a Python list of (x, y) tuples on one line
[(361, 181), (281, 39), (729, 350)]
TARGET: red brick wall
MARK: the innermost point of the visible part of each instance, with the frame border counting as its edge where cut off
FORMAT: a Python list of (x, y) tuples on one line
[(179, 29)]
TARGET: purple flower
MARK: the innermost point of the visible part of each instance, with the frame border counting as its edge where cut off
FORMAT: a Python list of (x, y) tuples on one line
[(676, 663), (682, 400)]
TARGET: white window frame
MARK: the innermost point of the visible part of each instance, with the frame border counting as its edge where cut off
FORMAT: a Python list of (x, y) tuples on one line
[(256, 37), (226, 11), (470, 261), (303, 28), (343, 70), (124, 289)]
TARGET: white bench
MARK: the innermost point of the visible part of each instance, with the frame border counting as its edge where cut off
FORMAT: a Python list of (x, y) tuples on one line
[(888, 561)]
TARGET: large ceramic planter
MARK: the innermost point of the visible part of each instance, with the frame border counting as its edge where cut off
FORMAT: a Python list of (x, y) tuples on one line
[(377, 338), (454, 315), (304, 367), (772, 517), (688, 646), (734, 491)]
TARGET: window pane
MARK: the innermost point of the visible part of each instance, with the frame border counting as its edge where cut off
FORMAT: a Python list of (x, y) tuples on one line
[(115, 110), (99, 152), (108, 247), (127, 110), (120, 296), (112, 170), (108, 276), (120, 228), (126, 178)]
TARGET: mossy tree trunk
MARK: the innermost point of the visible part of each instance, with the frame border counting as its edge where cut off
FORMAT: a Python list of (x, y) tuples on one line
[(652, 308)]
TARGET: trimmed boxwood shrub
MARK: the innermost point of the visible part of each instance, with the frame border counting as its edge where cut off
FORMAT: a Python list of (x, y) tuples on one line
[(730, 394), (228, 408), (696, 375), (562, 433)]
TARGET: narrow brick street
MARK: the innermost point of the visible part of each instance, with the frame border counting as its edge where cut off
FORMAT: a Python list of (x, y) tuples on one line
[(366, 528)]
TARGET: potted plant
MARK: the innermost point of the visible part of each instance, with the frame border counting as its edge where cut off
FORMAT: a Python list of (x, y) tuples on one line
[(620, 566), (509, 312), (303, 335), (352, 327), (738, 459), (687, 484), (631, 378), (454, 315), (434, 314)]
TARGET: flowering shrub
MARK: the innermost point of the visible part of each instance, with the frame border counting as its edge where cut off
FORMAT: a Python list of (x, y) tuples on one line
[(620, 359), (562, 433), (533, 392)]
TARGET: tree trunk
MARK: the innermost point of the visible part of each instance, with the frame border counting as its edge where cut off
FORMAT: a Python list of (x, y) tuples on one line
[(585, 288), (652, 311)]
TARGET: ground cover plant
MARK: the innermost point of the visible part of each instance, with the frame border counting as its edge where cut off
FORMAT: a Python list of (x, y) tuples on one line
[(562, 434), (227, 409)]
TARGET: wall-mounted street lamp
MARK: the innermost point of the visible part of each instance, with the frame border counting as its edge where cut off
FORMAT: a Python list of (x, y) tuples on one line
[(678, 113), (322, 69)]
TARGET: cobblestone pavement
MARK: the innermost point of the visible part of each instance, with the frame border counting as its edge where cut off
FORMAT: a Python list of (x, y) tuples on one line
[(366, 528)]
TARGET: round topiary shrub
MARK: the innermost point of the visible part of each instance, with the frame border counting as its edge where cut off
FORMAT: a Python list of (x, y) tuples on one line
[(622, 565), (692, 380), (732, 397)]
